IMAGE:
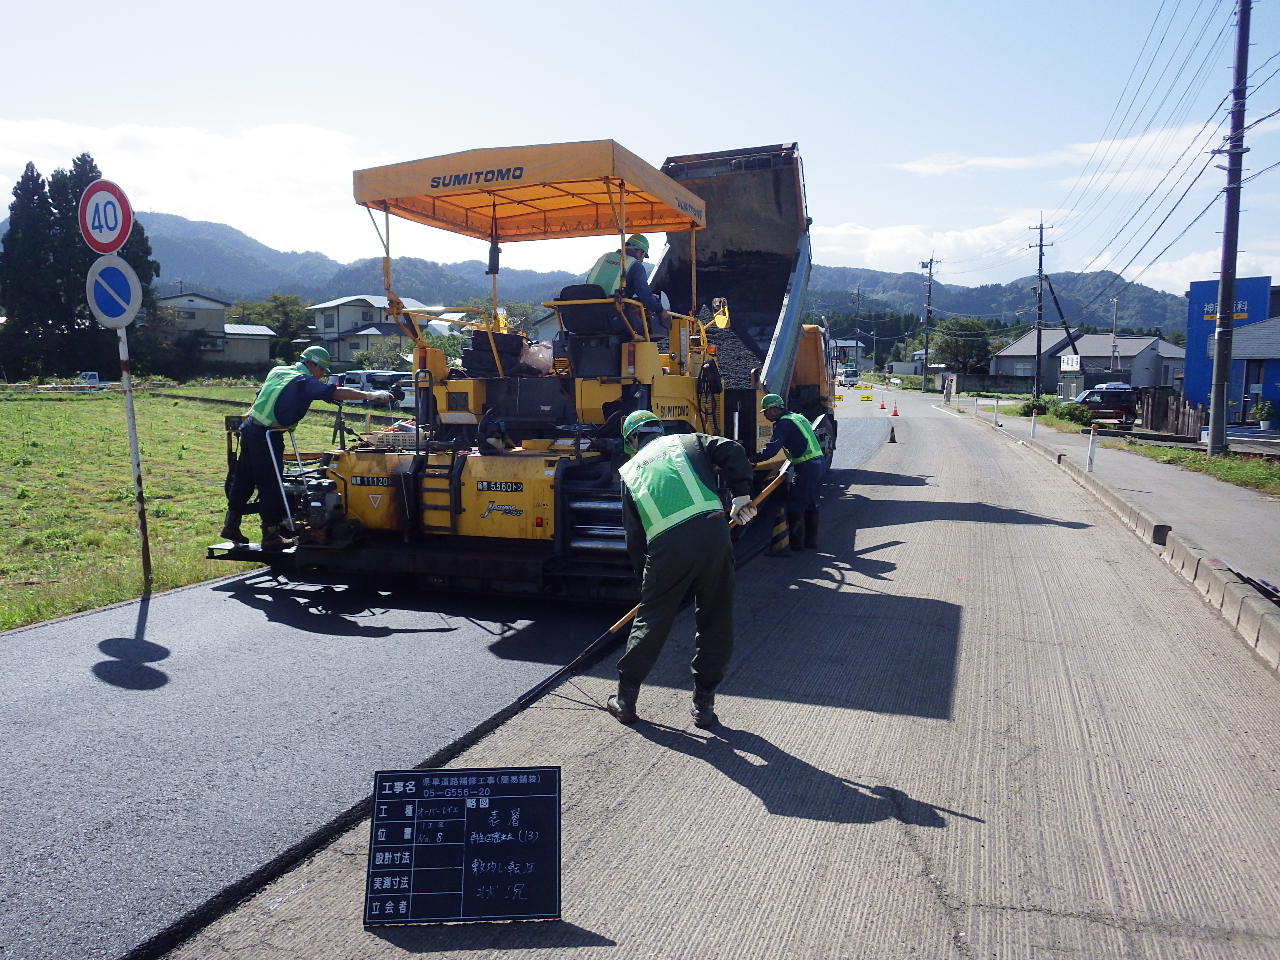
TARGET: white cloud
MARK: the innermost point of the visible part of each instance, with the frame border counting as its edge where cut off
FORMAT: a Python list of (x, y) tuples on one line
[(990, 253), (1156, 149), (1175, 276), (944, 163)]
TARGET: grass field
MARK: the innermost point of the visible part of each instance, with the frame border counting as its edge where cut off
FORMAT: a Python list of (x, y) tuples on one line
[(1243, 471), (68, 533), (214, 393)]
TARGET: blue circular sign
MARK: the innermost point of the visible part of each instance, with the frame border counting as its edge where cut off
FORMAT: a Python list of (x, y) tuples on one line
[(114, 292)]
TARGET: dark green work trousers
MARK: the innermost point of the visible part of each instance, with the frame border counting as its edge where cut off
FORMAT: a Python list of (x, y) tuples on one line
[(695, 554)]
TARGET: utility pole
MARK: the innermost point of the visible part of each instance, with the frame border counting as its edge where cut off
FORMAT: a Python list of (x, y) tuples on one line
[(1235, 151), (928, 319), (1115, 306), (1035, 384), (857, 329)]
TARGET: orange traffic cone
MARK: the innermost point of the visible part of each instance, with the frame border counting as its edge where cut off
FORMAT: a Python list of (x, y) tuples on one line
[(882, 403), (895, 409)]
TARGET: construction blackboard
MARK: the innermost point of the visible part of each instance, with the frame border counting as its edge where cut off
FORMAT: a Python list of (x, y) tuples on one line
[(463, 845)]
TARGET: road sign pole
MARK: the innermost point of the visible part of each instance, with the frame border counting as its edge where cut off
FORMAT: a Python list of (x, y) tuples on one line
[(139, 502), (114, 295)]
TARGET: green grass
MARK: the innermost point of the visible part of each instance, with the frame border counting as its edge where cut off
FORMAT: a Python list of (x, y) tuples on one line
[(246, 393), (68, 532), (1257, 473), (1043, 420)]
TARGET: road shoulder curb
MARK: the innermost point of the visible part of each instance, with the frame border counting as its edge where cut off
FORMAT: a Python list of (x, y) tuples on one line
[(1255, 620)]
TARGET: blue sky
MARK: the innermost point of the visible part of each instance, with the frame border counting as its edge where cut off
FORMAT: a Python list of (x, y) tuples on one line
[(926, 128)]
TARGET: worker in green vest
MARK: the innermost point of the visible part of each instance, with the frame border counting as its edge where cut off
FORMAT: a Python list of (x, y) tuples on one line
[(283, 399), (793, 434), (610, 273), (678, 541)]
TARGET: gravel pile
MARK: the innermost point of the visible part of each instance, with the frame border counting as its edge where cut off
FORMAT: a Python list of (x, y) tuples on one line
[(735, 356)]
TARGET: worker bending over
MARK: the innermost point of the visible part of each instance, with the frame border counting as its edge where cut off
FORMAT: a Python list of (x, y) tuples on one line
[(793, 434), (634, 281), (678, 541), (283, 399)]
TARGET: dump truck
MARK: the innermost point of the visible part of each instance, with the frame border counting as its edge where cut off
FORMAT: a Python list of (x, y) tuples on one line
[(507, 479)]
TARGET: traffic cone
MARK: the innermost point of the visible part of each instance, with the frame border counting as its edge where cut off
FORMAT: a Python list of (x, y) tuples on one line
[(882, 403), (895, 409), (780, 541), (892, 438)]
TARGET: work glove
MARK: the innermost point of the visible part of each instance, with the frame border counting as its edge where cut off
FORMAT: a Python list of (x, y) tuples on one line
[(742, 511), (381, 397)]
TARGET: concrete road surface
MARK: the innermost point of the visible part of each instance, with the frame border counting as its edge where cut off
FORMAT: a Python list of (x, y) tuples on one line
[(981, 721)]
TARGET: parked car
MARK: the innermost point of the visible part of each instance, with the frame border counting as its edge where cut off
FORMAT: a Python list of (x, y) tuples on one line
[(399, 382), (1110, 401)]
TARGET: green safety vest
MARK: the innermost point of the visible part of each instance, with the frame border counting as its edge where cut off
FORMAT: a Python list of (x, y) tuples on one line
[(812, 447), (606, 275), (665, 487), (264, 404)]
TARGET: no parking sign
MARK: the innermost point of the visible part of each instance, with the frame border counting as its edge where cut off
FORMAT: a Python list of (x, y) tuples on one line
[(114, 292)]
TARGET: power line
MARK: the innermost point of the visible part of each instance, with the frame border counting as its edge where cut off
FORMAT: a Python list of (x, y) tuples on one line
[(1131, 160)]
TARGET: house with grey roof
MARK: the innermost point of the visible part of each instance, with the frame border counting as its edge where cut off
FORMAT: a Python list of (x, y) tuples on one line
[(1256, 348), (245, 344), (349, 325), (1139, 361)]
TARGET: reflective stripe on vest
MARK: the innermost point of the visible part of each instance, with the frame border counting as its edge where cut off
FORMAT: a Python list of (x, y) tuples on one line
[(812, 447), (606, 275), (264, 404), (665, 487)]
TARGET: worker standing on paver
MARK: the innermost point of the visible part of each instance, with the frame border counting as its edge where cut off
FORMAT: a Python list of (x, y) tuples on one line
[(793, 434), (283, 399), (678, 541)]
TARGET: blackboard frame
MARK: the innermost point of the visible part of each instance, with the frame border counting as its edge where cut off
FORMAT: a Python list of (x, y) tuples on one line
[(493, 833)]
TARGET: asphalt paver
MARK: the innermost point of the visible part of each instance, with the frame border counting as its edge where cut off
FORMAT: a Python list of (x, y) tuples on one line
[(939, 739)]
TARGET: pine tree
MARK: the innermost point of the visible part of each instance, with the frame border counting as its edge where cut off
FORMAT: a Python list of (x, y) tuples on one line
[(72, 325), (43, 271), (27, 287)]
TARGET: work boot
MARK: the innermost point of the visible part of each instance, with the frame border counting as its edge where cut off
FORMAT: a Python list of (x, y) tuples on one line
[(231, 529), (798, 541), (703, 710), (623, 704), (273, 538), (811, 529)]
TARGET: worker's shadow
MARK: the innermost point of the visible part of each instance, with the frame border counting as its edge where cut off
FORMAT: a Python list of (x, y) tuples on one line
[(848, 477), (790, 787), (128, 667), (328, 610)]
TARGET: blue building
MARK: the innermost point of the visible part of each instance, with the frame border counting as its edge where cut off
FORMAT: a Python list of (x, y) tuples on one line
[(1255, 348)]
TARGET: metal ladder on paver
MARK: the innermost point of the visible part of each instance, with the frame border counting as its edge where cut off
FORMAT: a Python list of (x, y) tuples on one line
[(440, 486)]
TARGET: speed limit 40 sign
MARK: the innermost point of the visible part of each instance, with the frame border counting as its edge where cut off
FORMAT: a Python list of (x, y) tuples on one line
[(106, 218)]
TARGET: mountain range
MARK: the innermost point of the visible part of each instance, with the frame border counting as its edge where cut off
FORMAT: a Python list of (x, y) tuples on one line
[(222, 262)]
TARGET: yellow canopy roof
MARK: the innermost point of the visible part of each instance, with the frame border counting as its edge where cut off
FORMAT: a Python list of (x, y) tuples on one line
[(533, 193)]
